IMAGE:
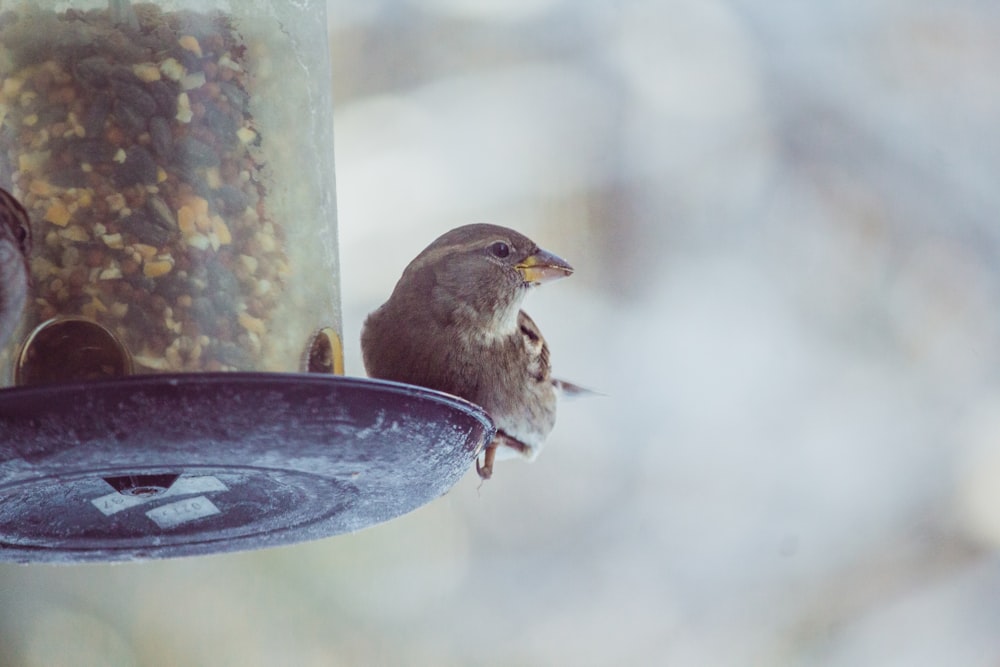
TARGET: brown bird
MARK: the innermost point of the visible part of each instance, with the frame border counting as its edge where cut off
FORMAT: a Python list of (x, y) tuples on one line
[(15, 246), (454, 323)]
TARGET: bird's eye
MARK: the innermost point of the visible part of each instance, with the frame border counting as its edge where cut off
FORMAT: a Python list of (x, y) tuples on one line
[(500, 249)]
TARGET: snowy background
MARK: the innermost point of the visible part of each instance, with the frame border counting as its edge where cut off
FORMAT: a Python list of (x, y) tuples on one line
[(783, 218)]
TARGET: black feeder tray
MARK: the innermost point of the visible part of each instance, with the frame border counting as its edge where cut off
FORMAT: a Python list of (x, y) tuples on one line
[(159, 466)]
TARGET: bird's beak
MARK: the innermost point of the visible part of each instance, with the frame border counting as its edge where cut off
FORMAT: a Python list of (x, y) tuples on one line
[(543, 267)]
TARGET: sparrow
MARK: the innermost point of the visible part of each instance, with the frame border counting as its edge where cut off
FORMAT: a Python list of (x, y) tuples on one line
[(454, 323), (15, 246)]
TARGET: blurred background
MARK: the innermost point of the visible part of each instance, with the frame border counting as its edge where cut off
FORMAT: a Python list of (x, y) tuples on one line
[(783, 218)]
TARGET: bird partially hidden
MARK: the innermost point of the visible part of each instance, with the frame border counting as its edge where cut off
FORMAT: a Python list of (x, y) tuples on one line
[(454, 323), (15, 246)]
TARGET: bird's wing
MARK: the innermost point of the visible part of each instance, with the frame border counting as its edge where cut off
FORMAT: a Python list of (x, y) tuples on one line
[(538, 349)]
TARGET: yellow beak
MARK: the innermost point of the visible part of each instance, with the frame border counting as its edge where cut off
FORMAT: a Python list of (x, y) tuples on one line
[(543, 267)]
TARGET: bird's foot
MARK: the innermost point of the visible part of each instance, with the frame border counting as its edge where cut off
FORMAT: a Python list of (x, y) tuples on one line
[(485, 469)]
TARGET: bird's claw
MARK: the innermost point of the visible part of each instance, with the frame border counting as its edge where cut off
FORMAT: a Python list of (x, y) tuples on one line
[(485, 469)]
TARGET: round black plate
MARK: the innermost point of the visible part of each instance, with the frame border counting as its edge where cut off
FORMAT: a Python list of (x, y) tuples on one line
[(157, 466)]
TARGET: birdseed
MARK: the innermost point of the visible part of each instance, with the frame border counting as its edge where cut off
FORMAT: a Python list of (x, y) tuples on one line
[(136, 155)]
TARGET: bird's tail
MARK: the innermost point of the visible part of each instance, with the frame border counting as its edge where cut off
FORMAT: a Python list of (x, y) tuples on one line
[(570, 390)]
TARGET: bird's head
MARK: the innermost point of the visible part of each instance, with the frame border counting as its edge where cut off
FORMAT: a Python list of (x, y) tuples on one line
[(15, 219), (482, 272)]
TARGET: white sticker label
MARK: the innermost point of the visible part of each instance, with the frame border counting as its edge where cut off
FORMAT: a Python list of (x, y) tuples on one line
[(185, 486), (116, 502), (182, 511)]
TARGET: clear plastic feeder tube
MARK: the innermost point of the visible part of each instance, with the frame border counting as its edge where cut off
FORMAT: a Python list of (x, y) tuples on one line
[(176, 161)]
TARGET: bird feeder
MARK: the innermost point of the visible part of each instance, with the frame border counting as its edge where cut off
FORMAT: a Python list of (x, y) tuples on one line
[(174, 385)]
